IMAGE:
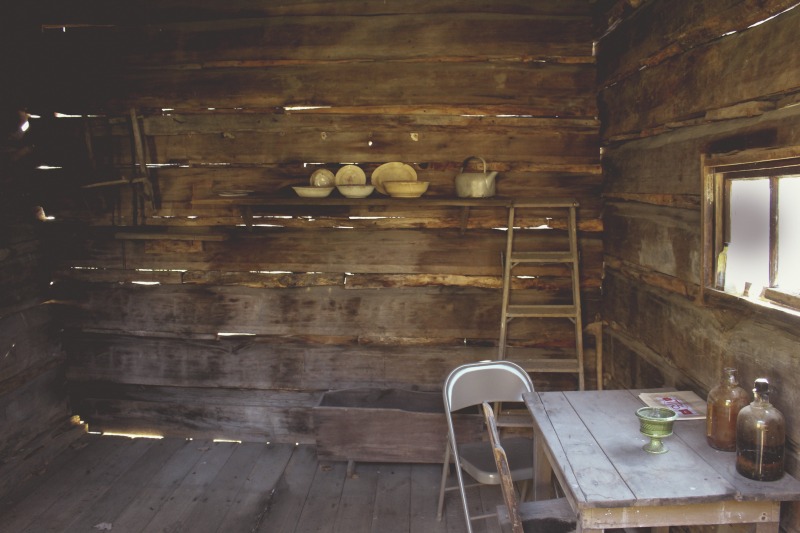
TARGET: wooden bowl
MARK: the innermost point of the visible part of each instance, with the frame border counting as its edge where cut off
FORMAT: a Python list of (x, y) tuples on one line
[(355, 191), (406, 189), (313, 192)]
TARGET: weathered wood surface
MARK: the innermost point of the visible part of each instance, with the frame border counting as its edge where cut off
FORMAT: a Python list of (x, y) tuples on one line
[(314, 138), (99, 12), (180, 188), (660, 30), (336, 251), (699, 91), (33, 415), (202, 486), (36, 388), (335, 296), (273, 363), (205, 154), (244, 42), (423, 313), (607, 488), (386, 425), (161, 66), (669, 163), (662, 239), (212, 412), (39, 452), (687, 85), (33, 402), (695, 342), (34, 418), (24, 255), (28, 341), (541, 88)]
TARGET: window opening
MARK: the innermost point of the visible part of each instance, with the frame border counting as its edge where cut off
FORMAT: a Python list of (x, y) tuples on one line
[(751, 233)]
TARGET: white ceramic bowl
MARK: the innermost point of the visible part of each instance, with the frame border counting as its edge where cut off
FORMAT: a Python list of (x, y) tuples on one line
[(406, 189), (355, 191), (322, 177), (313, 192)]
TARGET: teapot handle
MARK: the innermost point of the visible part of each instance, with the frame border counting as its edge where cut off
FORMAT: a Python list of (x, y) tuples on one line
[(464, 164)]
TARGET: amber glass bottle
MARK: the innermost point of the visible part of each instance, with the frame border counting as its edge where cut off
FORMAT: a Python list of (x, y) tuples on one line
[(760, 437), (724, 403)]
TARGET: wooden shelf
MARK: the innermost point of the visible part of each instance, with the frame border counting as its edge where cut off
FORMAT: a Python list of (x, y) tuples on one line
[(387, 201)]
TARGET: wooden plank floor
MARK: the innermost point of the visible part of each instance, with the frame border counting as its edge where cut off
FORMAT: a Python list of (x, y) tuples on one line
[(126, 485)]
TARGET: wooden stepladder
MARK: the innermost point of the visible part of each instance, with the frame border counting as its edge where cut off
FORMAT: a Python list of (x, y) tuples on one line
[(512, 309)]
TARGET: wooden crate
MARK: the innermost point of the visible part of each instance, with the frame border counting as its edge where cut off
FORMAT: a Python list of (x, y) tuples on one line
[(386, 425)]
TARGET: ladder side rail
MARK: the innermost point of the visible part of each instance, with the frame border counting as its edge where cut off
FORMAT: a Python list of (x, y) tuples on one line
[(507, 266), (576, 294)]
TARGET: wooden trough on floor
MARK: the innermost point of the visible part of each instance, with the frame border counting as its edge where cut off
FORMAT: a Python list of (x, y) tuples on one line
[(385, 425)]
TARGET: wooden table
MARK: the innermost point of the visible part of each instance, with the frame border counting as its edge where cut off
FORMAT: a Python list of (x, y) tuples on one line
[(590, 440)]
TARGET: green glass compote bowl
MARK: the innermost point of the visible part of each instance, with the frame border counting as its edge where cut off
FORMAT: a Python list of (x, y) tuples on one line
[(656, 423)]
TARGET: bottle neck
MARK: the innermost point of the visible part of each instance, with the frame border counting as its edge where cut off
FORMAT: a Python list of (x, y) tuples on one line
[(761, 398)]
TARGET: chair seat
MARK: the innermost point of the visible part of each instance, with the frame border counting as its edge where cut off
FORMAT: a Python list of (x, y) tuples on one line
[(477, 459)]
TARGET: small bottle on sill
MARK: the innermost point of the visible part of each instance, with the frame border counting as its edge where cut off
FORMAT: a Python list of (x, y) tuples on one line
[(722, 266)]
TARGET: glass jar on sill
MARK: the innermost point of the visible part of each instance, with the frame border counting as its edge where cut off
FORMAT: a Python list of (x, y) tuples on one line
[(724, 403), (760, 437)]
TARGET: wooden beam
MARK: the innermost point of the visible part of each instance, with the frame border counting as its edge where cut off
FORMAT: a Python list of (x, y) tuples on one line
[(688, 85), (170, 236), (658, 31)]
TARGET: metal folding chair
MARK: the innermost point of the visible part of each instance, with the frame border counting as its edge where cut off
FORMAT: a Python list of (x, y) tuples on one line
[(471, 385)]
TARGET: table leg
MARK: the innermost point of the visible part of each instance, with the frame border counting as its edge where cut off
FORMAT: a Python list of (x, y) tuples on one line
[(542, 472)]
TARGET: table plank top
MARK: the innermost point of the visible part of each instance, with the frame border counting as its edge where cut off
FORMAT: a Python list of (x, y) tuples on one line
[(594, 439)]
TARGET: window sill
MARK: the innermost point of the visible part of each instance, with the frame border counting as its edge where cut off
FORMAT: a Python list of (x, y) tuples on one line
[(755, 305), (783, 298)]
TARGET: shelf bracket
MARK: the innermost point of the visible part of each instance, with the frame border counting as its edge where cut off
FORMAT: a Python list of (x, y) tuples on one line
[(464, 219)]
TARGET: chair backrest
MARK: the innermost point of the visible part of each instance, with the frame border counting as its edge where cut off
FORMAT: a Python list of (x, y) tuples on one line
[(501, 460), (487, 381)]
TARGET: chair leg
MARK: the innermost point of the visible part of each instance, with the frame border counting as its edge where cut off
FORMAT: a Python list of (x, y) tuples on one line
[(445, 472), (462, 490)]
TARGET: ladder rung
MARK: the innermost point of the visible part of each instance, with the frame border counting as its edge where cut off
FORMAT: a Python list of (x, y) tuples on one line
[(542, 257), (544, 311), (546, 202)]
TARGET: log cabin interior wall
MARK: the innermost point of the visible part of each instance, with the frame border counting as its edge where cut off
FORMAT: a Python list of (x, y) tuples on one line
[(184, 314), (152, 270), (678, 80), (34, 415)]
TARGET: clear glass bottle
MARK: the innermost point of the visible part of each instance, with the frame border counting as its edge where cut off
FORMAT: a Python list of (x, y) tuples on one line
[(760, 437), (724, 403)]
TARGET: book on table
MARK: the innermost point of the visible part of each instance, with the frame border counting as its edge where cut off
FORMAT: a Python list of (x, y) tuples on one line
[(687, 404)]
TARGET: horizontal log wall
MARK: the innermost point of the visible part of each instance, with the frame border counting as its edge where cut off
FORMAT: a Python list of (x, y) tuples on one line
[(35, 424), (188, 314), (678, 80)]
